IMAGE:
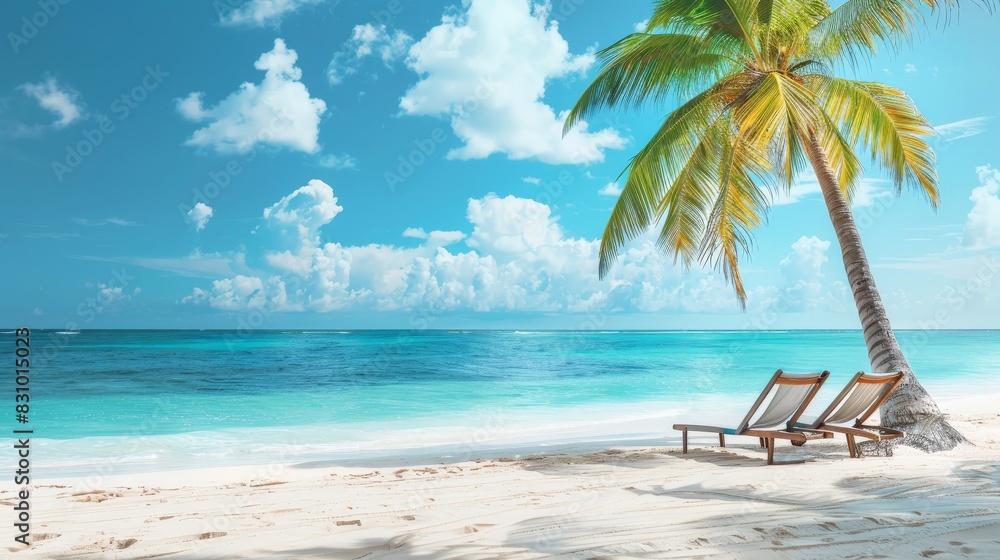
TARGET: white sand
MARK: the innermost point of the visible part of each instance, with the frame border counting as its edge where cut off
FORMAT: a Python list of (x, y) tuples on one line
[(620, 503)]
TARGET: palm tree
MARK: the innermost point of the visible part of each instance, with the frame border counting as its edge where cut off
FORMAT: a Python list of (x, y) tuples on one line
[(761, 100)]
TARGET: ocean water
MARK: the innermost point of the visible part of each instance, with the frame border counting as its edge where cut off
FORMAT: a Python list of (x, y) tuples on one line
[(126, 401)]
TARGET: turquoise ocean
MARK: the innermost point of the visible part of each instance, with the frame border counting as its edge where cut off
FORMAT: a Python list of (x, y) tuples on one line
[(133, 401)]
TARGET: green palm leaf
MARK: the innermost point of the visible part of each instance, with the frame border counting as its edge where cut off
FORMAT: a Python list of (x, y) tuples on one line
[(656, 167), (643, 67), (885, 120), (730, 18), (739, 209)]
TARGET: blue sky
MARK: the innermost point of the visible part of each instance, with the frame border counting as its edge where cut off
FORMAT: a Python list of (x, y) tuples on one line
[(345, 164)]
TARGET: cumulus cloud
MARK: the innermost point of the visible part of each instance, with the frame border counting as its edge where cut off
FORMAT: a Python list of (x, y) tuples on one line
[(513, 256), (277, 112), (199, 215), (870, 191), (368, 40), (611, 189), (982, 227), (803, 287), (262, 13), (343, 161), (486, 69), (242, 293), (108, 296), (63, 102)]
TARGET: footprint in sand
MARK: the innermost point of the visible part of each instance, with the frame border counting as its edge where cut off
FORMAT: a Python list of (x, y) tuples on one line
[(124, 543), (474, 528), (37, 537), (212, 535), (271, 483), (96, 496)]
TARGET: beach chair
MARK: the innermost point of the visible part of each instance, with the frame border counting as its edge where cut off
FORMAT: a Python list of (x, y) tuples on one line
[(787, 396), (847, 414)]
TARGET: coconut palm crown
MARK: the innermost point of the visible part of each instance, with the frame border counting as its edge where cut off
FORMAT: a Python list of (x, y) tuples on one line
[(760, 101)]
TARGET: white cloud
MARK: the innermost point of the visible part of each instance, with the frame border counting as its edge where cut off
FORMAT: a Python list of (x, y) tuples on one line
[(63, 102), (343, 161), (110, 295), (982, 228), (306, 210), (870, 191), (367, 40), (232, 294), (801, 189), (961, 129), (261, 13), (806, 186), (910, 68), (435, 238), (199, 215), (276, 112), (108, 221), (196, 265), (641, 26), (438, 238), (531, 180), (803, 288), (611, 189), (321, 272), (516, 258), (487, 68)]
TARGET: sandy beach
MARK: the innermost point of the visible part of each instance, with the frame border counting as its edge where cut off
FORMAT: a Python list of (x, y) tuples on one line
[(650, 502)]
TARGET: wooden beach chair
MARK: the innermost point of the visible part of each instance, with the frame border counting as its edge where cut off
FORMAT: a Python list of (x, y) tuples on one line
[(787, 395), (847, 414)]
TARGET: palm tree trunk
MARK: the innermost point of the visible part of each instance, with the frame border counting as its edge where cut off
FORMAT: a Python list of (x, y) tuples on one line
[(909, 408)]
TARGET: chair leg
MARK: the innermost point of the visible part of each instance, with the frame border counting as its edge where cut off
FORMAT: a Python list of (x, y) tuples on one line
[(684, 440), (855, 453), (722, 440), (762, 444), (770, 451)]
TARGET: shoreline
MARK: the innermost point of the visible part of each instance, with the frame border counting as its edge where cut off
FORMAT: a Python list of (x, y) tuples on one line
[(494, 438), (145, 454), (621, 500)]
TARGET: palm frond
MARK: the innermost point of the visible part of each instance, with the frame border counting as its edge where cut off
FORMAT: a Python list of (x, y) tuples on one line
[(783, 22), (685, 206), (775, 106), (732, 18), (649, 67), (887, 121), (840, 154), (860, 26), (739, 208), (654, 169)]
